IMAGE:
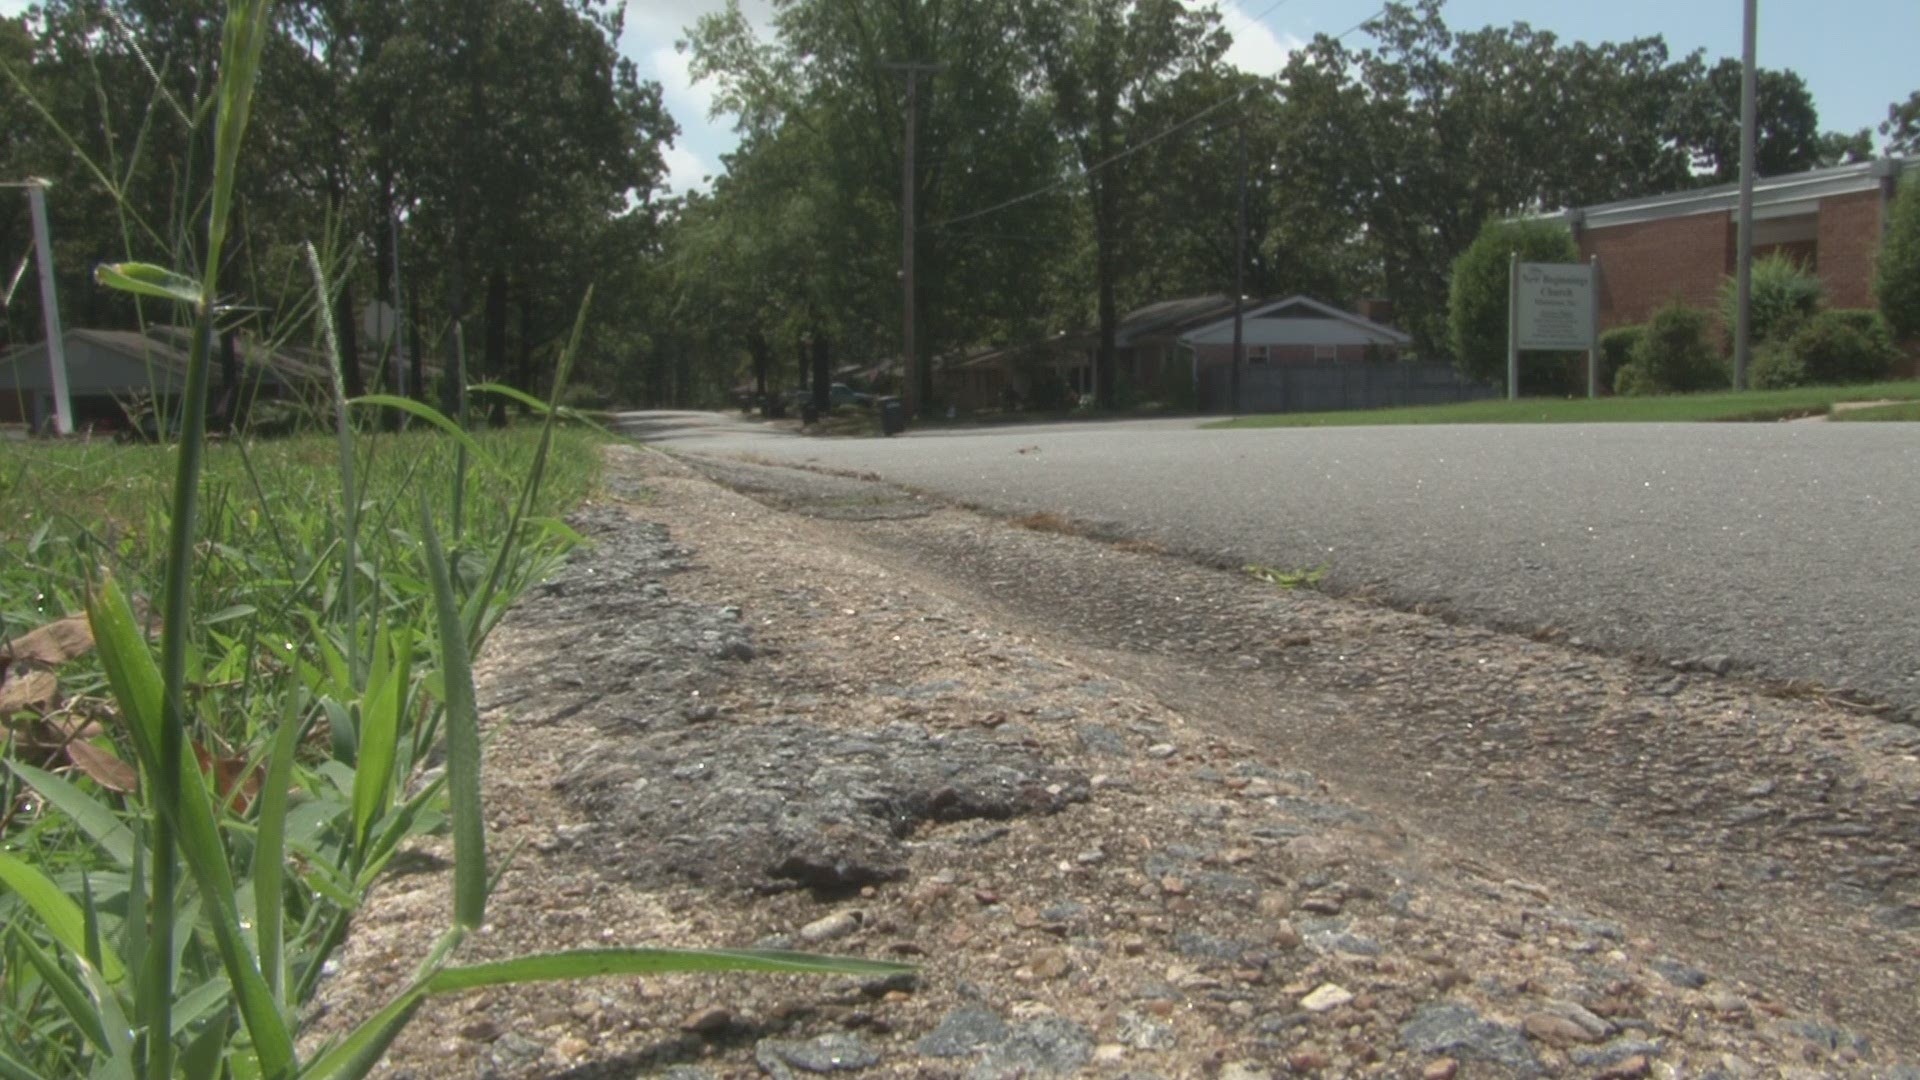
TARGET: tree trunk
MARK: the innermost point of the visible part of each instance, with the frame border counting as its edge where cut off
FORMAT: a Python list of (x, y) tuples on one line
[(762, 360), (416, 348), (494, 339), (344, 326), (800, 350), (526, 381), (1107, 353), (226, 417), (822, 373)]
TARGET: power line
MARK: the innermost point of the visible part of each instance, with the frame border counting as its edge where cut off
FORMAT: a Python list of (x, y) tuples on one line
[(1144, 144)]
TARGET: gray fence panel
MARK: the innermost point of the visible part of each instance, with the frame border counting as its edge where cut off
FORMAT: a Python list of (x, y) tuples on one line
[(1334, 387)]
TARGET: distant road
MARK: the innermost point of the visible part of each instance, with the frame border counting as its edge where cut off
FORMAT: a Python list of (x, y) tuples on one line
[(1793, 549)]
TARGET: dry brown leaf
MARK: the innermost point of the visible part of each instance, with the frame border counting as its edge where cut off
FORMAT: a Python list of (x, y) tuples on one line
[(106, 770), (229, 774), (29, 691), (53, 644)]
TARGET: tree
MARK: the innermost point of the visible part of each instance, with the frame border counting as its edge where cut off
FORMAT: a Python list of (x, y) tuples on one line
[(1896, 283), (1788, 137), (1902, 126), (1840, 148), (1102, 63), (1479, 294)]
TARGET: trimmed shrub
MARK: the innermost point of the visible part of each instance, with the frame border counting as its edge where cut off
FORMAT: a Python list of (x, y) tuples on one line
[(1896, 283), (1632, 380), (1838, 347), (1477, 300), (1675, 355), (1776, 367), (1785, 295), (1616, 349)]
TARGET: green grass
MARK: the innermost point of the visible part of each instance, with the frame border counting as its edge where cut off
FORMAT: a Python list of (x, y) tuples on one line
[(1909, 411), (1756, 405)]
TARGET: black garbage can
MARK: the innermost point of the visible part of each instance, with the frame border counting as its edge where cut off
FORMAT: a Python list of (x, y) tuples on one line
[(893, 416), (809, 413)]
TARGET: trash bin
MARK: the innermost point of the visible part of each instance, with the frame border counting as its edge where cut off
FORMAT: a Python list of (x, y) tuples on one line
[(809, 414), (893, 416)]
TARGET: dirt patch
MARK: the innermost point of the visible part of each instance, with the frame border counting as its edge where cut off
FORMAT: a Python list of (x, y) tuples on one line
[(1093, 882)]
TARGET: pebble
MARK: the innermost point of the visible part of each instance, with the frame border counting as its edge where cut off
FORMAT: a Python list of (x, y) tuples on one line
[(1162, 751), (708, 1021), (1050, 963), (830, 928), (1329, 996), (1555, 1030), (1441, 1069)]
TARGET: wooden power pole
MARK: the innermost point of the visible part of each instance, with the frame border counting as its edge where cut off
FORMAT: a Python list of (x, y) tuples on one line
[(912, 376)]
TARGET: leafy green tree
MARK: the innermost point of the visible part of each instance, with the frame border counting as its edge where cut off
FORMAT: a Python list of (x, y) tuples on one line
[(1901, 128), (1896, 283), (1102, 64), (1841, 148), (1789, 126), (1479, 293)]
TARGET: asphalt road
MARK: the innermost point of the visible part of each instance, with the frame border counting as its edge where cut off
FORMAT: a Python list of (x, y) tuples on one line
[(1792, 549)]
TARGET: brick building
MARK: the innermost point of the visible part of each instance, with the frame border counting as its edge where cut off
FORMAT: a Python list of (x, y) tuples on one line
[(1682, 246)]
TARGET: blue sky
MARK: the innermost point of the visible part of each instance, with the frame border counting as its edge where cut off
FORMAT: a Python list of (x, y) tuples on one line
[(1856, 55)]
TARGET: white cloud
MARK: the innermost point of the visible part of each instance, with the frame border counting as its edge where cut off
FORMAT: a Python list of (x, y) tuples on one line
[(687, 170), (1256, 48)]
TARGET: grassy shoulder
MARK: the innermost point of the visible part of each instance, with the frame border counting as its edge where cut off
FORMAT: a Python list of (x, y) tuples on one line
[(1753, 405)]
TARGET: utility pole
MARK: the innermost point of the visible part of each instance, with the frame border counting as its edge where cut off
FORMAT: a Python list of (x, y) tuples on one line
[(1240, 264), (49, 305), (1749, 143), (909, 177)]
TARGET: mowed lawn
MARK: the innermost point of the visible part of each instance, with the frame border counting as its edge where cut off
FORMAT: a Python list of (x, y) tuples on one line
[(1753, 405)]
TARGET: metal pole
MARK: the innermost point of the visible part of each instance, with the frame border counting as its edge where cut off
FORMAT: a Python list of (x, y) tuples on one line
[(399, 365), (1593, 331), (50, 311), (1513, 326), (1749, 91), (909, 360), (1240, 269)]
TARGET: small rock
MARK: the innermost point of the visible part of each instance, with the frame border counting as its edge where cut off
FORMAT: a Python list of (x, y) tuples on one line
[(1173, 886), (1329, 996), (838, 1052), (482, 1030), (1322, 904), (571, 1047), (1441, 1069), (963, 1031), (1050, 963), (1306, 1061), (1630, 1069), (1555, 1030), (831, 928), (1143, 1033), (1682, 975), (1244, 1070), (1727, 1003), (1162, 751), (1717, 663), (709, 1021)]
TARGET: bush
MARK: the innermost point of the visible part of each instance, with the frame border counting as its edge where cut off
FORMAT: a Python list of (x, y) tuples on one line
[(1632, 380), (1477, 301), (1776, 367), (1675, 355), (1837, 347), (1616, 348), (1896, 284), (1785, 295)]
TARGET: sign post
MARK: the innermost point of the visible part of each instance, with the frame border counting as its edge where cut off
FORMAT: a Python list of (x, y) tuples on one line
[(1552, 309)]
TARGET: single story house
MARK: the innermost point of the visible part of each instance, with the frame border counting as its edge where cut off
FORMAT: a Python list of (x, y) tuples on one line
[(110, 372), (1682, 246), (1297, 330)]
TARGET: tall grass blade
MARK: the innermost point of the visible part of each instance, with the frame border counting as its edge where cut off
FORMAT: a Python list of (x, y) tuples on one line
[(66, 990), (360, 1051), (269, 849), (63, 919), (463, 736), (587, 963), (438, 419), (343, 434), (94, 818), (145, 279), (11, 1068)]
